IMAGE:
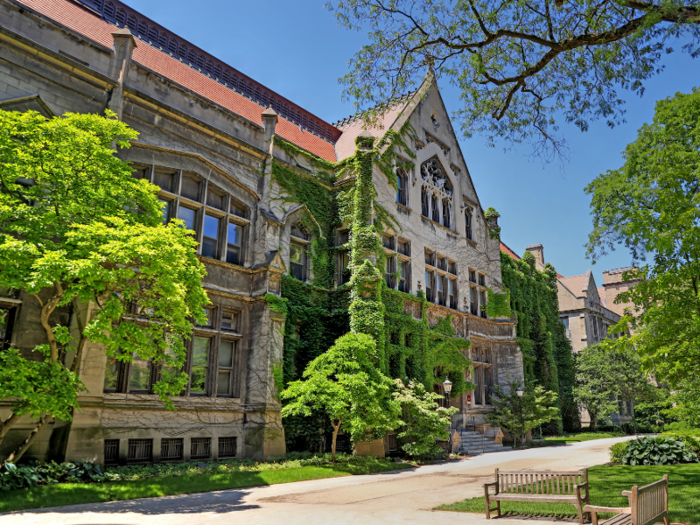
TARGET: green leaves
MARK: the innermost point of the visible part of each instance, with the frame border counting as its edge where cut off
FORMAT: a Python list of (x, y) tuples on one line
[(519, 66), (38, 387), (77, 229), (518, 415), (651, 206), (422, 421), (346, 383), (655, 451)]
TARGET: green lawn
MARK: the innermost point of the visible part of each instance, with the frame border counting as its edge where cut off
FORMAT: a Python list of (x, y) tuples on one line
[(584, 436), (606, 484), (74, 493)]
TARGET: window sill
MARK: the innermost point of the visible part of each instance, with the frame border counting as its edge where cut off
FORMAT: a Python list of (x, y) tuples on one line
[(431, 221), (404, 207)]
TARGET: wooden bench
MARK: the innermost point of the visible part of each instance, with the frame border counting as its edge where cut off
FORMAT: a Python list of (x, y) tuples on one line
[(647, 505), (543, 486)]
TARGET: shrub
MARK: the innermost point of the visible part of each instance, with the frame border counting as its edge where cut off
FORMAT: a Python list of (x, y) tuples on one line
[(656, 451), (13, 477), (689, 437), (617, 450)]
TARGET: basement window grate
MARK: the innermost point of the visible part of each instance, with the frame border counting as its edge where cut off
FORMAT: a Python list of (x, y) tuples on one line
[(171, 449), (140, 451), (111, 451), (227, 447), (200, 448)]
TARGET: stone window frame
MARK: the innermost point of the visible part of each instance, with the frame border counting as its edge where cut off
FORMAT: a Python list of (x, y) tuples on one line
[(302, 241), (232, 210), (215, 333), (437, 193), (482, 361), (399, 259)]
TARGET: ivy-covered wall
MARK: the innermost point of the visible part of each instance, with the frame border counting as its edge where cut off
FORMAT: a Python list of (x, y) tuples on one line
[(318, 313), (547, 354)]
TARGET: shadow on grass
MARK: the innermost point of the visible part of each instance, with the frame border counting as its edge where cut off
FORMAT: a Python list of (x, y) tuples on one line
[(196, 492)]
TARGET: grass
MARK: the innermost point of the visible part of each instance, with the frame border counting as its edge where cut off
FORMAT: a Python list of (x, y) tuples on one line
[(607, 481), (77, 493), (584, 436)]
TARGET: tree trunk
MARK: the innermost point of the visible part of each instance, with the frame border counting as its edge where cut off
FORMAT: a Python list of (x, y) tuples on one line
[(17, 454), (336, 428), (6, 425), (594, 421)]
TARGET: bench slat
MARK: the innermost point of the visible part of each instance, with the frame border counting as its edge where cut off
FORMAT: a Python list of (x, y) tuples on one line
[(533, 497), (620, 519)]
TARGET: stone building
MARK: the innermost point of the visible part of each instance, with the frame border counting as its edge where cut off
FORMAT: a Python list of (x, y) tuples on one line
[(614, 285), (208, 139), (583, 308)]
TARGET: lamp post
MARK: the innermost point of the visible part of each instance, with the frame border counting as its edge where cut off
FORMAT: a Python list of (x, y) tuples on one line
[(520, 392), (447, 388)]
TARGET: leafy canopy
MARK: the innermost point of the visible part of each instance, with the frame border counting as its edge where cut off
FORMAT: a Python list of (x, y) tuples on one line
[(604, 375), (517, 415), (78, 228), (345, 383), (422, 421), (651, 206), (518, 64)]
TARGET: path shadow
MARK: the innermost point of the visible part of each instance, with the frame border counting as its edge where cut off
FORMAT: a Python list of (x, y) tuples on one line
[(217, 502)]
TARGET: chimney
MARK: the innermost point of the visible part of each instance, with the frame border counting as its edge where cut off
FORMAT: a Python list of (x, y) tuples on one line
[(124, 45), (269, 118), (538, 251)]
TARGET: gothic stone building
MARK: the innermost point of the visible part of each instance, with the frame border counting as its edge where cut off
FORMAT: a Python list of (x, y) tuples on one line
[(207, 140)]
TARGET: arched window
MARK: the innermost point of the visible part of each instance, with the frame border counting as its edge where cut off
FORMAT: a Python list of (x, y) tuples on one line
[(468, 223), (425, 201), (401, 186), (437, 185)]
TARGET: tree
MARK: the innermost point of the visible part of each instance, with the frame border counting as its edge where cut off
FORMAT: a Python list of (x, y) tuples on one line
[(517, 415), (345, 383), (517, 64), (651, 206), (78, 229), (422, 420), (605, 375)]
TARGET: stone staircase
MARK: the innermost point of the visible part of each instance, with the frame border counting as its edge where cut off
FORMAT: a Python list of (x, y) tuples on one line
[(474, 444)]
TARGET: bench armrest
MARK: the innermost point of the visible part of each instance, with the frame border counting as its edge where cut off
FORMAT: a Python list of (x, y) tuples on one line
[(491, 484), (627, 493), (580, 486), (612, 510)]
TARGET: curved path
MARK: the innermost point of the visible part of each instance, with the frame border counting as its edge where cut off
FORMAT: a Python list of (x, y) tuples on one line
[(405, 497)]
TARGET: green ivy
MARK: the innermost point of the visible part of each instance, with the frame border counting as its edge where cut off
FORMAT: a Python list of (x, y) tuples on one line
[(547, 353), (318, 313), (498, 304)]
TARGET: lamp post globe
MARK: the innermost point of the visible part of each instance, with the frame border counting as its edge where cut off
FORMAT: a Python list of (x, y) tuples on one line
[(447, 386)]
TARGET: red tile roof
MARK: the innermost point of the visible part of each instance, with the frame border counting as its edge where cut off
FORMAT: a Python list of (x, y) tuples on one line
[(94, 28), (508, 251), (353, 126)]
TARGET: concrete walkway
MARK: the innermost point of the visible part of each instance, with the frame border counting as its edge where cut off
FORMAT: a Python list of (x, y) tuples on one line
[(405, 497)]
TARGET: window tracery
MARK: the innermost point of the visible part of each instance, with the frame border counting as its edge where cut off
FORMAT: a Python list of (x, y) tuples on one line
[(437, 185)]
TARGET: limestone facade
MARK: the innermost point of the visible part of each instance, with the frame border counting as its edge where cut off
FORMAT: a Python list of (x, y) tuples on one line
[(208, 142)]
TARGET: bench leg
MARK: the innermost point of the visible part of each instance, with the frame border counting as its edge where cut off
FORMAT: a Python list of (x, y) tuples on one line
[(498, 509), (580, 514), (488, 503), (667, 520)]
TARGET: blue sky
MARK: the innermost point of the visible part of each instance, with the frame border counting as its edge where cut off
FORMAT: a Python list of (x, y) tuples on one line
[(298, 50)]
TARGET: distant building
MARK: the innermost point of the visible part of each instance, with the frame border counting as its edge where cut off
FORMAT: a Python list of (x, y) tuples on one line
[(614, 285), (583, 308)]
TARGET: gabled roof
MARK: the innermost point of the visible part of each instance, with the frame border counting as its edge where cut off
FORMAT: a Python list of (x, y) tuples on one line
[(603, 296), (577, 283), (354, 125), (86, 22)]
